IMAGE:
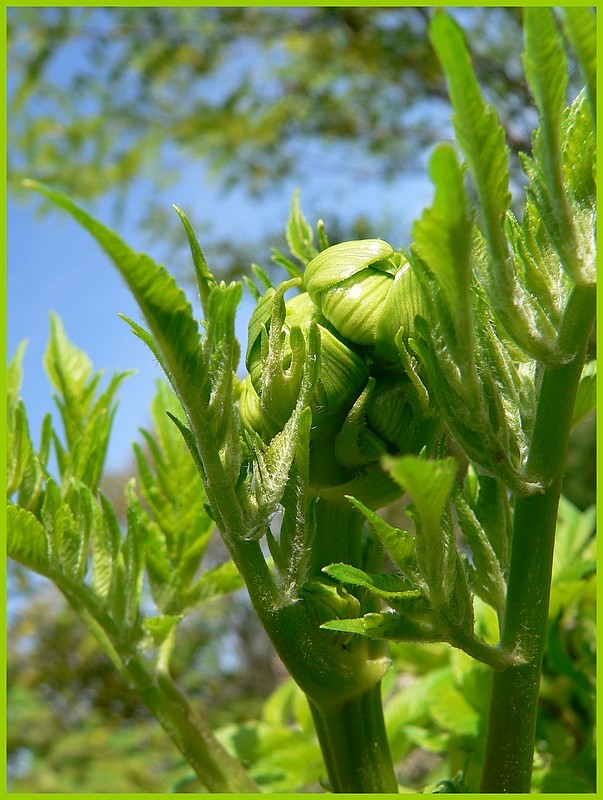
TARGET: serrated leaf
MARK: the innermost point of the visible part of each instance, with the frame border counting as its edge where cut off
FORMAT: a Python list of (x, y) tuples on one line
[(25, 475), (105, 550), (443, 241), (162, 302), (298, 526), (399, 544), (86, 515), (176, 523), (69, 369), (486, 572), (300, 237), (575, 529), (287, 264), (14, 377), (271, 464), (205, 280), (545, 65), (482, 140), (159, 568), (389, 586), (430, 483), (159, 628), (98, 430), (449, 708), (580, 27), (26, 540), (216, 582), (63, 536), (546, 71), (389, 625), (133, 560), (578, 144)]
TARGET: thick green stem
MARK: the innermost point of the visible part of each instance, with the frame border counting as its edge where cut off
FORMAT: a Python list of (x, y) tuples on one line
[(341, 680), (352, 734), (354, 745), (514, 700)]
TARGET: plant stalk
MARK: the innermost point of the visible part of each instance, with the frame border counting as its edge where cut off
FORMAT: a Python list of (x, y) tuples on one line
[(354, 745), (217, 770), (341, 681), (515, 691)]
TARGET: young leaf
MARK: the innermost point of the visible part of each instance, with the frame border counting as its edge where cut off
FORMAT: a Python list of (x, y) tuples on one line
[(26, 540), (443, 241), (390, 625), (69, 370), (64, 538), (388, 586), (133, 560), (87, 417), (546, 71), (162, 302), (299, 233), (105, 552), (400, 545), (492, 508), (25, 474), (430, 484), (482, 140), (298, 525), (14, 378), (580, 27), (485, 570), (159, 628), (545, 65), (215, 582), (205, 280), (575, 529)]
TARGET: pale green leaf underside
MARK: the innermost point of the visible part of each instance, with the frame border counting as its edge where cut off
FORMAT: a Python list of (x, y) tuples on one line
[(428, 482)]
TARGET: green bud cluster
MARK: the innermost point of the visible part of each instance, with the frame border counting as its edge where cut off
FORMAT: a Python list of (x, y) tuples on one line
[(358, 295)]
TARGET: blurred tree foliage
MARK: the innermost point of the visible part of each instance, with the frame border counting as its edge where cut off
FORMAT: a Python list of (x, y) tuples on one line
[(100, 96), (72, 720), (103, 101)]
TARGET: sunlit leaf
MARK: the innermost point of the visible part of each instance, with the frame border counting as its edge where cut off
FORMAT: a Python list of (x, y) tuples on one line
[(300, 237), (386, 585), (26, 540), (580, 27), (481, 138)]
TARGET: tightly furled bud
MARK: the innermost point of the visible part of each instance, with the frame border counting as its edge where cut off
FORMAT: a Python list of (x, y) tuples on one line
[(394, 413), (343, 372), (326, 601), (367, 292), (364, 404)]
